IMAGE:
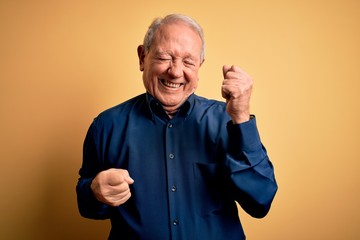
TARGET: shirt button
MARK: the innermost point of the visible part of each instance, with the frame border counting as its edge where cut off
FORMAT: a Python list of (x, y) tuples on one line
[(176, 222), (171, 156), (173, 188), (170, 125)]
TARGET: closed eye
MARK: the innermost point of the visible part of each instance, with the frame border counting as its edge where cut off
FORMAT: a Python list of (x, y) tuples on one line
[(189, 63), (163, 59)]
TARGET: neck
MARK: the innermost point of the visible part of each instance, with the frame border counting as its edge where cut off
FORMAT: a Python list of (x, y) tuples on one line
[(172, 113)]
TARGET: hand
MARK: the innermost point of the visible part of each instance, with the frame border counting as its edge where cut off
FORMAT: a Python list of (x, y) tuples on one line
[(112, 186), (236, 89)]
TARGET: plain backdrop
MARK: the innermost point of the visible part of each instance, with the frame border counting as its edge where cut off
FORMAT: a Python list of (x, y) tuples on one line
[(63, 62)]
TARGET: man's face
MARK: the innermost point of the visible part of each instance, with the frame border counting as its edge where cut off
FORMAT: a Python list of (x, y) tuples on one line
[(170, 68)]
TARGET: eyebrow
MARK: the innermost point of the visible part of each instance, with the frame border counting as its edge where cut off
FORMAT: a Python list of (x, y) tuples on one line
[(161, 53), (187, 56)]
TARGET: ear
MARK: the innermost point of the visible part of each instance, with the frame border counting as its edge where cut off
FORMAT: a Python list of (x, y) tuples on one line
[(141, 55), (202, 62)]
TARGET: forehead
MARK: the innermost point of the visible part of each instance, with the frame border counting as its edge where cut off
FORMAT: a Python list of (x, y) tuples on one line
[(177, 34)]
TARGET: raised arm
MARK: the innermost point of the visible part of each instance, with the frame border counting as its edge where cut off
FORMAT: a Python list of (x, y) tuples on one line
[(252, 174)]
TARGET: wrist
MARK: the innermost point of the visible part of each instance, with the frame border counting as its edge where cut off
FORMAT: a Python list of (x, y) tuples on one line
[(241, 118)]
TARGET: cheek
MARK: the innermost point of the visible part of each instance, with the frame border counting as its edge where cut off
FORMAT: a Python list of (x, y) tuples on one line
[(147, 80), (151, 75), (156, 70), (192, 77)]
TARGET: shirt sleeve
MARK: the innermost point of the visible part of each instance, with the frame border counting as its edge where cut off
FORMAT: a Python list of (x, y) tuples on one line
[(88, 205), (251, 172)]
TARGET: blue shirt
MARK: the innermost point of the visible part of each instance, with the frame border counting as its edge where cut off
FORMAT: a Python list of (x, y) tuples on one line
[(188, 170)]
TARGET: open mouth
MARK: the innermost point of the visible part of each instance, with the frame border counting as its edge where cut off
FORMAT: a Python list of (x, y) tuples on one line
[(171, 84)]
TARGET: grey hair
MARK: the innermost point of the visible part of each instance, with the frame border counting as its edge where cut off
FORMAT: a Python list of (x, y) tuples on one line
[(172, 18)]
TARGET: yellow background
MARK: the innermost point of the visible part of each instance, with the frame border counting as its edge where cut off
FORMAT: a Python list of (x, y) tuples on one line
[(62, 62)]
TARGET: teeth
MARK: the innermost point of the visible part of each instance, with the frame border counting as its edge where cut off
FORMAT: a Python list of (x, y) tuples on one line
[(171, 85)]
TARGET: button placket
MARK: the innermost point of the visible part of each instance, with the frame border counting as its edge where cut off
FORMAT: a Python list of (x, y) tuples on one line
[(171, 154)]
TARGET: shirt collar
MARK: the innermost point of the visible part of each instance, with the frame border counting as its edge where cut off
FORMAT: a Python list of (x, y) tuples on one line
[(156, 108)]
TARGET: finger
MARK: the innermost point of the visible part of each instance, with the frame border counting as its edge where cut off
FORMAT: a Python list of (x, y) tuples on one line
[(226, 92), (233, 72), (117, 200), (118, 189), (226, 68), (118, 176), (235, 68), (120, 200), (115, 178)]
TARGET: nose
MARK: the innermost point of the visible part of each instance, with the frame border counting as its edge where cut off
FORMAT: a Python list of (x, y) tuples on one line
[(175, 69)]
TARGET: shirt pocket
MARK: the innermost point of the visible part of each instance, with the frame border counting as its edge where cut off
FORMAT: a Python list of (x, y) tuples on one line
[(211, 194)]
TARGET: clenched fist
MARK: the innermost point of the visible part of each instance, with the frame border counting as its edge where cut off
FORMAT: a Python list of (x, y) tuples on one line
[(236, 89), (112, 186)]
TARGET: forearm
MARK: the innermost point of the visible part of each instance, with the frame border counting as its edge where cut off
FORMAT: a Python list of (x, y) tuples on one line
[(251, 172), (88, 205)]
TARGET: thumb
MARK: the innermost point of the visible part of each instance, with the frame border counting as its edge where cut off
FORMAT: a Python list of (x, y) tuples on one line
[(226, 68), (118, 176), (127, 177)]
